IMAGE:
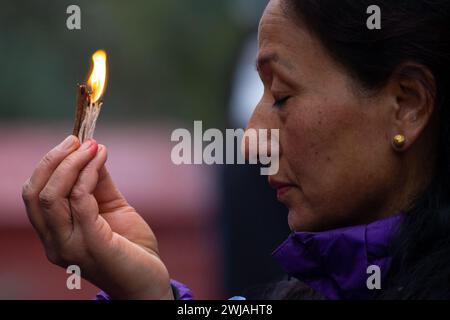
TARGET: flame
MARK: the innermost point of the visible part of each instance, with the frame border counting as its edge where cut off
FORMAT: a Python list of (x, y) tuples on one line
[(97, 79)]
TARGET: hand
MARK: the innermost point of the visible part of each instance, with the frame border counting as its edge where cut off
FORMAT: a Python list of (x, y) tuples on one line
[(83, 219)]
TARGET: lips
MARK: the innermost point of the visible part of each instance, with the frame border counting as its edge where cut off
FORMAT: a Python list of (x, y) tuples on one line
[(282, 187)]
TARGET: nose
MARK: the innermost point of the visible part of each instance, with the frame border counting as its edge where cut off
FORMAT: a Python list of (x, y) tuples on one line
[(261, 137)]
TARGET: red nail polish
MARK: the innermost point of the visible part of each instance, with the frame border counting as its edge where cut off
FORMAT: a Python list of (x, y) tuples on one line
[(87, 144)]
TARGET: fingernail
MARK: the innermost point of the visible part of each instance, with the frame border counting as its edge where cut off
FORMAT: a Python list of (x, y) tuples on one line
[(87, 144), (68, 142)]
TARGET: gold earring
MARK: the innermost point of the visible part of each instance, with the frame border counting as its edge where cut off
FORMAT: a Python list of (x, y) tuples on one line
[(399, 141)]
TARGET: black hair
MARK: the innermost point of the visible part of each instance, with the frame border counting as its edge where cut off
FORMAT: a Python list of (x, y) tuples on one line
[(415, 31)]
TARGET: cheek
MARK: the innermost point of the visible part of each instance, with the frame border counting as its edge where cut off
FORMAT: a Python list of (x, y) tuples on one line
[(312, 136), (329, 149)]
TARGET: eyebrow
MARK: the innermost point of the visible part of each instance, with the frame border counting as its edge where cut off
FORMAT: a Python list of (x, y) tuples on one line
[(266, 59), (269, 58)]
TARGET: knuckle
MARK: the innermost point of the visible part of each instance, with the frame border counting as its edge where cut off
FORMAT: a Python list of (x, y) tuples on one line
[(77, 193), (47, 160), (70, 162), (46, 199), (27, 191)]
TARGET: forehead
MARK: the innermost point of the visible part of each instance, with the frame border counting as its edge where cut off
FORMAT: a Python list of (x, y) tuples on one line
[(283, 39), (273, 16), (279, 37), (279, 28)]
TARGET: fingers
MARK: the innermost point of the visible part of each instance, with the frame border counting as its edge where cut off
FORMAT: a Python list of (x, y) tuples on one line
[(53, 199), (108, 196), (83, 204), (40, 177), (66, 174), (51, 161)]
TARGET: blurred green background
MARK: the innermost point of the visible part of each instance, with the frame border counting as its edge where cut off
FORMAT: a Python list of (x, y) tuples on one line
[(167, 58)]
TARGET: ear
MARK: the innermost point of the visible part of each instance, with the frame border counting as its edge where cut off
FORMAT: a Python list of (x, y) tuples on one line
[(413, 88)]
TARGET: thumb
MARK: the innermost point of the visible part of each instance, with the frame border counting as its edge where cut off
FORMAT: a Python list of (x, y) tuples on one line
[(83, 204)]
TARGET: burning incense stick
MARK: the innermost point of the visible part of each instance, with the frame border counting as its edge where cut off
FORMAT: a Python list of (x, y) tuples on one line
[(82, 101), (88, 99)]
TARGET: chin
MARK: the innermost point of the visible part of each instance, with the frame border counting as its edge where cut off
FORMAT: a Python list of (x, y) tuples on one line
[(299, 221), (295, 221)]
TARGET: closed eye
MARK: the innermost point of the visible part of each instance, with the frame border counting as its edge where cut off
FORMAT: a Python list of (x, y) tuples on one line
[(278, 103)]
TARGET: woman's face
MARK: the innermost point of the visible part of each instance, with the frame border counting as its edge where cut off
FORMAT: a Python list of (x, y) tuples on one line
[(335, 154)]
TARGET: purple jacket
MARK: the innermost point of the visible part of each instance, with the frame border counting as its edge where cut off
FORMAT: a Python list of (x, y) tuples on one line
[(334, 263)]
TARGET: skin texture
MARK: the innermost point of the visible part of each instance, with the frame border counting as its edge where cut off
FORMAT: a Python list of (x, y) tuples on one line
[(335, 154), (83, 219), (335, 138)]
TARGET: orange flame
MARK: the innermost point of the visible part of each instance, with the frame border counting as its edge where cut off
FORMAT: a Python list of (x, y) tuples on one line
[(97, 79)]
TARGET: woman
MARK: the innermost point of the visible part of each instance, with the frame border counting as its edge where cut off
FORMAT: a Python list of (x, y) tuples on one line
[(364, 162)]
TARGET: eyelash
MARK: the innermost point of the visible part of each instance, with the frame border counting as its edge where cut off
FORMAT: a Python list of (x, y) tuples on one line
[(278, 103)]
